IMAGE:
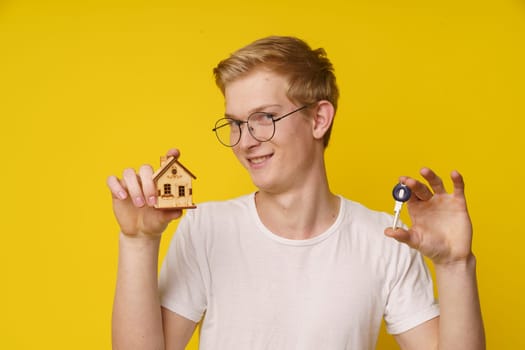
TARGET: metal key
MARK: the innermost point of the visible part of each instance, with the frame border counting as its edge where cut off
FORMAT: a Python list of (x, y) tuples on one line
[(401, 194)]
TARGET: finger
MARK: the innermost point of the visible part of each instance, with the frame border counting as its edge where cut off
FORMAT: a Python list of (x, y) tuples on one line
[(131, 181), (117, 191), (433, 180), (459, 184), (171, 214), (148, 186), (419, 190), (403, 236)]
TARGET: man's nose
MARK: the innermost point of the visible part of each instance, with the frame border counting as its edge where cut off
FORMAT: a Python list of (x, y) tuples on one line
[(247, 138)]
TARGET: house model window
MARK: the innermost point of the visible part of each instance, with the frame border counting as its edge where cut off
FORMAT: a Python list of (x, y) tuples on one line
[(172, 175)]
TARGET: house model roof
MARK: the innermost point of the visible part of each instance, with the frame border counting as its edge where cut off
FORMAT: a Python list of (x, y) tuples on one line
[(166, 164)]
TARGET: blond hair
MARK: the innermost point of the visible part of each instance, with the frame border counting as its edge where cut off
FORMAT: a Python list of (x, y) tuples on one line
[(309, 72)]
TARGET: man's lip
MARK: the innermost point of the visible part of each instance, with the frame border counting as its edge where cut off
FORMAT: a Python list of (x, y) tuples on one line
[(259, 159)]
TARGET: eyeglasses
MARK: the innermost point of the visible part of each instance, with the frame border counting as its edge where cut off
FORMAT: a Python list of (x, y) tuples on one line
[(261, 126)]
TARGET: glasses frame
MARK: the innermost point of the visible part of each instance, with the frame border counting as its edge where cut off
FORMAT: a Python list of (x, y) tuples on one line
[(247, 121)]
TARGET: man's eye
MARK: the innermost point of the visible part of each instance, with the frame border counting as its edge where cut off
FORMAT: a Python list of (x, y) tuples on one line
[(262, 116), (233, 122)]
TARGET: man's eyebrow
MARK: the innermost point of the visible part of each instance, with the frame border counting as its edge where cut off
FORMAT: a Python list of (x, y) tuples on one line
[(253, 110), (226, 115)]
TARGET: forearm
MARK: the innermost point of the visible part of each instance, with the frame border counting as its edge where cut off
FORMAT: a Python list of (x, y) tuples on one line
[(137, 320), (460, 325)]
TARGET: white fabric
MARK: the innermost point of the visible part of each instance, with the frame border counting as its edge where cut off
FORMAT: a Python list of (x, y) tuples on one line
[(257, 290)]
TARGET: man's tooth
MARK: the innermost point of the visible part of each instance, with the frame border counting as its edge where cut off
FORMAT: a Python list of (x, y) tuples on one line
[(258, 160)]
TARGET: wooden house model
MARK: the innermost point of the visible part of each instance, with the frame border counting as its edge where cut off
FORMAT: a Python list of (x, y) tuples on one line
[(174, 185)]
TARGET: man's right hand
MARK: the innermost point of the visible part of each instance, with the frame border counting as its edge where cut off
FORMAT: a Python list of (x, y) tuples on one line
[(134, 198)]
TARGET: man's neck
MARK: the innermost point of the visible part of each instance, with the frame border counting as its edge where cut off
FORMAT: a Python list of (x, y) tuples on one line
[(299, 214)]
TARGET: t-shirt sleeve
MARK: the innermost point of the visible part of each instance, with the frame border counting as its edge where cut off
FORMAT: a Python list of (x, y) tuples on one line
[(181, 286), (411, 299)]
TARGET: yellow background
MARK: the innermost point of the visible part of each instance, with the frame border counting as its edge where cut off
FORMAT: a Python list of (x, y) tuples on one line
[(88, 88)]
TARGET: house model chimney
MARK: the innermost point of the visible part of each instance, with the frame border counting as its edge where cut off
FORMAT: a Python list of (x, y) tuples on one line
[(164, 160)]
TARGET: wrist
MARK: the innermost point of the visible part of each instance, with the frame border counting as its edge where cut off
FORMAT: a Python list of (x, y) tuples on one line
[(468, 263), (139, 239)]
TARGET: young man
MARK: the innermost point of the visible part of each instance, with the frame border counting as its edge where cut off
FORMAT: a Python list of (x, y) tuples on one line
[(292, 266)]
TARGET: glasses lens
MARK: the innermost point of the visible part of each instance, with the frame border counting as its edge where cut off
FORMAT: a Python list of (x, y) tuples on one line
[(227, 131), (261, 126)]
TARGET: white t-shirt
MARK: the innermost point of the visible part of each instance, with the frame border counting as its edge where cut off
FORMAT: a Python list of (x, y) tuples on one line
[(256, 290)]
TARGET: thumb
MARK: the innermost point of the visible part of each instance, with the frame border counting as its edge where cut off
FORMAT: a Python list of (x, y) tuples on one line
[(402, 235), (168, 215)]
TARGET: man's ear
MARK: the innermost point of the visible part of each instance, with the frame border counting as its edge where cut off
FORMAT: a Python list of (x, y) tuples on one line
[(323, 118)]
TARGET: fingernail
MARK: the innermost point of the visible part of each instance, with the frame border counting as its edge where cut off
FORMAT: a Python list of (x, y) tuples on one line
[(139, 201), (122, 195), (152, 200)]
